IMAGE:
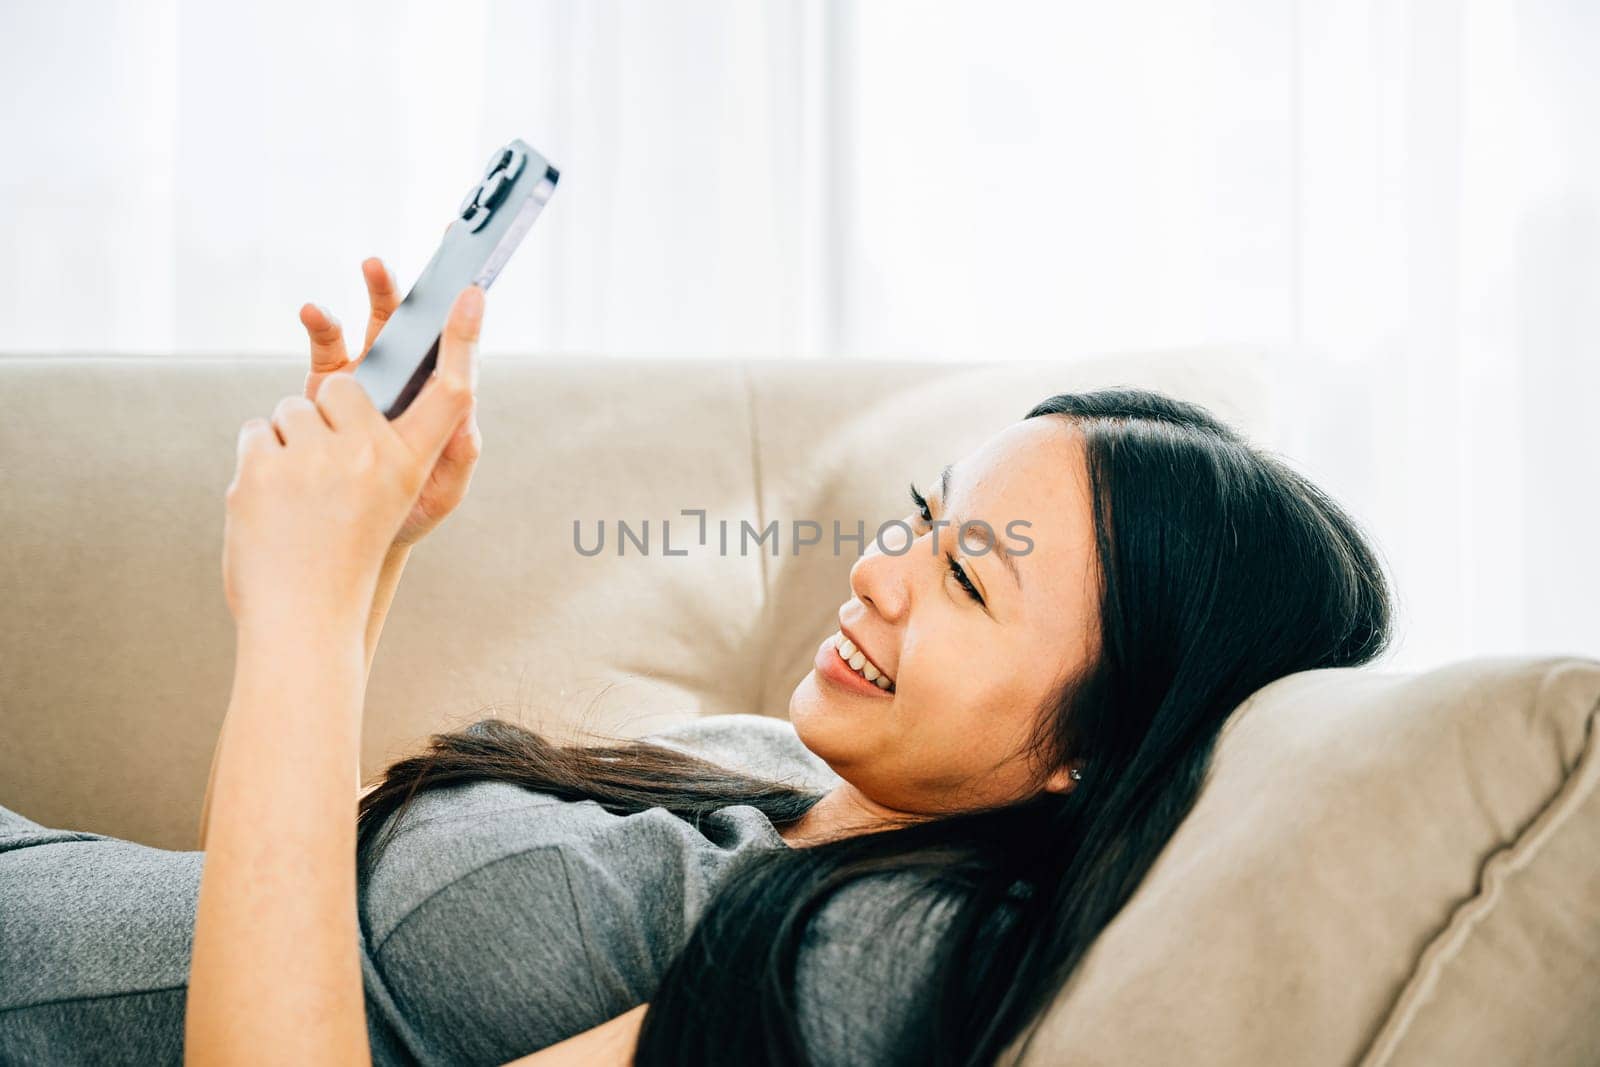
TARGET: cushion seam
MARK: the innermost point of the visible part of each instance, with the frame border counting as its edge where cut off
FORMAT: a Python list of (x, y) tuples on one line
[(758, 492), (1574, 788), (755, 467)]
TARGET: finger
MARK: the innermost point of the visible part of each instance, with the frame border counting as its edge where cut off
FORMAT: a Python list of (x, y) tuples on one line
[(256, 435), (432, 417), (297, 418), (345, 405), (383, 296), (327, 339)]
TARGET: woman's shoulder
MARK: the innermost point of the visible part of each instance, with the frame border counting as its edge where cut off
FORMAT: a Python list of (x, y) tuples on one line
[(647, 870), (495, 895), (476, 926), (640, 877), (455, 832)]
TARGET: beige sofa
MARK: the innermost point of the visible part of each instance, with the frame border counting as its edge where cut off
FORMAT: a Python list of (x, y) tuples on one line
[(1384, 868)]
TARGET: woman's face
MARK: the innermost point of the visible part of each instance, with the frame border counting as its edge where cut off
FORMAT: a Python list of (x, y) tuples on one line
[(968, 678)]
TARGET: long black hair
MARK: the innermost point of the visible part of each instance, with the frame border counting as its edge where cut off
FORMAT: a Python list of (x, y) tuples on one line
[(1221, 569)]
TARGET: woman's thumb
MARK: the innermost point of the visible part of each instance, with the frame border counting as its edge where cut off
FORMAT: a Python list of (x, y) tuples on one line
[(428, 424)]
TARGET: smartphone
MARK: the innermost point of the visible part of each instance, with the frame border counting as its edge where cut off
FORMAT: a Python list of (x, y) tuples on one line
[(489, 225)]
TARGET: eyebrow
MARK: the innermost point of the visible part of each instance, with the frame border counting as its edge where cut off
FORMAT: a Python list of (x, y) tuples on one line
[(979, 532)]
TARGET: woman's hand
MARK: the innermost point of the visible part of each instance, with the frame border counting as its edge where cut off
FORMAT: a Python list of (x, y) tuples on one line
[(447, 483), (323, 489)]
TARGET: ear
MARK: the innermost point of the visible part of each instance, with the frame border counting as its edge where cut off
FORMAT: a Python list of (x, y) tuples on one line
[(1061, 780)]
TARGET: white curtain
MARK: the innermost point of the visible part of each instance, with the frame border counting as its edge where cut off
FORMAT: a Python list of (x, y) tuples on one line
[(1398, 198)]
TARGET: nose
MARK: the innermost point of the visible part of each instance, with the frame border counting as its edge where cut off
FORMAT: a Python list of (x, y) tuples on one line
[(883, 580)]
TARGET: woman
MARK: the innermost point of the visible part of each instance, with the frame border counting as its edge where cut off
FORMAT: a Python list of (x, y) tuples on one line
[(1040, 722)]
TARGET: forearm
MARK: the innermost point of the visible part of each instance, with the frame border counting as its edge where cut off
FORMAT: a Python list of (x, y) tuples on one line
[(394, 565), (275, 969)]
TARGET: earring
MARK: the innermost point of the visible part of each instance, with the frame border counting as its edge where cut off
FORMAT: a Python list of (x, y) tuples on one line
[(1076, 775)]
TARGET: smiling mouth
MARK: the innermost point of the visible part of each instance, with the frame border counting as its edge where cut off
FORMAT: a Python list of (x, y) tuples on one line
[(857, 661)]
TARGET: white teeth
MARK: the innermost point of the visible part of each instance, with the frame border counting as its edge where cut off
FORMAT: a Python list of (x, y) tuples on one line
[(858, 662)]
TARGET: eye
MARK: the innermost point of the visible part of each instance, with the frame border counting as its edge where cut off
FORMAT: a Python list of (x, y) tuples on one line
[(920, 504), (961, 577), (956, 570)]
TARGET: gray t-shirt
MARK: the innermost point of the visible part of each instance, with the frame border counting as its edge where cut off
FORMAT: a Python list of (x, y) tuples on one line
[(501, 921)]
